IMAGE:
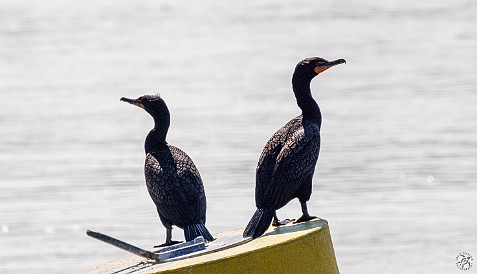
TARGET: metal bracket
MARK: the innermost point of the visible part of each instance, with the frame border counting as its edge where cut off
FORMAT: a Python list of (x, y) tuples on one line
[(177, 250), (163, 254)]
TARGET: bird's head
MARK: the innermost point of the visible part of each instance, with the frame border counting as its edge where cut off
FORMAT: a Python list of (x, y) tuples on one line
[(153, 104), (310, 67)]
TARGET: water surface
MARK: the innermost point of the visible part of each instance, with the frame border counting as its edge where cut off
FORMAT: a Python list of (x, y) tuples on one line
[(395, 178)]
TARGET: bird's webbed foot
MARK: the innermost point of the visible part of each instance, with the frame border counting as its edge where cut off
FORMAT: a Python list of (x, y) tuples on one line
[(277, 222), (168, 244), (169, 240), (304, 218), (282, 222)]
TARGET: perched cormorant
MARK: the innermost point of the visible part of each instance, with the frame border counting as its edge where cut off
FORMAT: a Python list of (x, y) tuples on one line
[(287, 163), (172, 179)]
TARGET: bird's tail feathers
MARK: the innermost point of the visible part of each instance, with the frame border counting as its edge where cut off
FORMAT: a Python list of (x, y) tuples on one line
[(259, 223), (195, 230)]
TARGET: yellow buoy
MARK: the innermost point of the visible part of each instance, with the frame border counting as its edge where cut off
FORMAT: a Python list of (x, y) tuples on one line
[(293, 248)]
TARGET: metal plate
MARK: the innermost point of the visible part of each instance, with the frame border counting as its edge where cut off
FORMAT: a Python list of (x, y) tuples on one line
[(222, 242), (135, 264)]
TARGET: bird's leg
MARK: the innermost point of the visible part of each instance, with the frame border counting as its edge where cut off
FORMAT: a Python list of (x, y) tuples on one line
[(277, 222), (305, 217), (169, 240)]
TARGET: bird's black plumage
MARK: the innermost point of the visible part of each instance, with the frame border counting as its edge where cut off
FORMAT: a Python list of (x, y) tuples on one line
[(172, 179), (287, 163)]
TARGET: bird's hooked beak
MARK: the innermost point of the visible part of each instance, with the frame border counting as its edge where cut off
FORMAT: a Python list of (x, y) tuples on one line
[(319, 69), (135, 102)]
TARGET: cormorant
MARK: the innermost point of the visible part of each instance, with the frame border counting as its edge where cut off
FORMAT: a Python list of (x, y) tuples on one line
[(287, 163), (172, 179)]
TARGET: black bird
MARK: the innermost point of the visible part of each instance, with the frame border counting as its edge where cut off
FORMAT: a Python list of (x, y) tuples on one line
[(172, 179), (287, 163)]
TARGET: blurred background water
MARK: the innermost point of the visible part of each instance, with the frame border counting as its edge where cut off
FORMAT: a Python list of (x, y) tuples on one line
[(396, 174)]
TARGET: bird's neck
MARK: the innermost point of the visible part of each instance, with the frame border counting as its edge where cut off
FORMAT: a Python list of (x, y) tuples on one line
[(306, 102), (156, 139)]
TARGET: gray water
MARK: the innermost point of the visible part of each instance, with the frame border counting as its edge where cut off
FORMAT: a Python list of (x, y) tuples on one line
[(397, 169)]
